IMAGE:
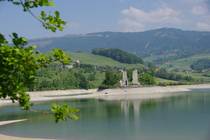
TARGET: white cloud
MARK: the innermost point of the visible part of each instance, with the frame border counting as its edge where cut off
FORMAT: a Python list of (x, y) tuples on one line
[(134, 19), (200, 9), (184, 14), (128, 25), (204, 26)]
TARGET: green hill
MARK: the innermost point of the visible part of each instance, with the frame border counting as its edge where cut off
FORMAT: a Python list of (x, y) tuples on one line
[(118, 55), (88, 58), (168, 42), (170, 48), (184, 63)]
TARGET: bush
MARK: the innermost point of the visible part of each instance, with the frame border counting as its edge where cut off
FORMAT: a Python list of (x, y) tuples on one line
[(111, 80), (201, 64), (118, 55), (102, 87), (83, 82), (163, 73), (147, 79)]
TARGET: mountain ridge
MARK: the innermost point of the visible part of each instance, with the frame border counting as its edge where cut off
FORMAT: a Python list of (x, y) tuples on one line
[(167, 42)]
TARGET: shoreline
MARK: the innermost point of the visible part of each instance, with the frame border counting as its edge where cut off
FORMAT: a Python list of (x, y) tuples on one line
[(141, 93), (6, 137), (110, 94)]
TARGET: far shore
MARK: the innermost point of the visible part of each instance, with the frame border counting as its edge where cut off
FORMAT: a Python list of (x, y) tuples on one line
[(141, 93)]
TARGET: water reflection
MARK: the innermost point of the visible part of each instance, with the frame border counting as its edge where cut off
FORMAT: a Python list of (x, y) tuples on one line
[(182, 117), (129, 107)]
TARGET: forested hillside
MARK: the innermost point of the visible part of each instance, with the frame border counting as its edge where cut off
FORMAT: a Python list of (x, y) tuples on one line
[(201, 64), (118, 55), (162, 44), (97, 60)]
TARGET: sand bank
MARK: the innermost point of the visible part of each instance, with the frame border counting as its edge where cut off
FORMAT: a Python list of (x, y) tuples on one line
[(147, 92), (10, 122), (4, 137), (112, 94)]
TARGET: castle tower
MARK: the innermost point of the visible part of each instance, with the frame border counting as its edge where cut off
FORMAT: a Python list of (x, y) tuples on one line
[(124, 81), (135, 78)]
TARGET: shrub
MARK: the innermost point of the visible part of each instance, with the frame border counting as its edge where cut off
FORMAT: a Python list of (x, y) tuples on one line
[(147, 79)]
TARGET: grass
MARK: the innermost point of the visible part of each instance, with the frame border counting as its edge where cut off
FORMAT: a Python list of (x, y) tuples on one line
[(180, 64), (98, 81), (91, 59), (161, 80), (200, 76)]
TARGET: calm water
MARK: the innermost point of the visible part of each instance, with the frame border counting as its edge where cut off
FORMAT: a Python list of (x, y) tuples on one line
[(176, 118)]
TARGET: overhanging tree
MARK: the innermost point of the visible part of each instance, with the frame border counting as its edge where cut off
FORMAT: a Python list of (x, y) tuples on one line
[(19, 64)]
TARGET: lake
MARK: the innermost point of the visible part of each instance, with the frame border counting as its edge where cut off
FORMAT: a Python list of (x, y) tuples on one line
[(184, 117)]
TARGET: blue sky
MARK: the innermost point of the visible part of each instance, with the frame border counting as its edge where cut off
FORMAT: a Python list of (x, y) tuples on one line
[(84, 16)]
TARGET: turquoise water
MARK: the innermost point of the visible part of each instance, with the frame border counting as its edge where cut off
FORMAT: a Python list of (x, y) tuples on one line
[(185, 117)]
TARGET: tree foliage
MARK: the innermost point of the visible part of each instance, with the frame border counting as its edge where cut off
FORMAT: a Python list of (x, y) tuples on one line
[(163, 73), (19, 64), (201, 64), (64, 112), (111, 80), (49, 21), (118, 55), (19, 67), (147, 79)]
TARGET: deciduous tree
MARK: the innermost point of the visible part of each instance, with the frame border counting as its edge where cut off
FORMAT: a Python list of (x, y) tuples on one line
[(19, 63)]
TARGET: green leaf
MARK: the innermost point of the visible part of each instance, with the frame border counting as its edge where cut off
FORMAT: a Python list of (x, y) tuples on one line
[(64, 112), (51, 3)]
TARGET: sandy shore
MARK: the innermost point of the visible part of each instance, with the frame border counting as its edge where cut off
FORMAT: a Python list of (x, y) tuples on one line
[(10, 122), (148, 92), (109, 94), (41, 96), (4, 137)]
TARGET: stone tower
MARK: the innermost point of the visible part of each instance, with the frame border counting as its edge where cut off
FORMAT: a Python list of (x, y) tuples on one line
[(135, 78), (124, 81)]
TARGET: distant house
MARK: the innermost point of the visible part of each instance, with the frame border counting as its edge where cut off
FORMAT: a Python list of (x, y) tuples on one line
[(69, 66), (74, 64)]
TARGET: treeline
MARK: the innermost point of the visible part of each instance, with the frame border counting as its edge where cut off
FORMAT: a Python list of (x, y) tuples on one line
[(55, 77), (111, 80), (163, 73), (201, 64), (118, 55), (85, 76)]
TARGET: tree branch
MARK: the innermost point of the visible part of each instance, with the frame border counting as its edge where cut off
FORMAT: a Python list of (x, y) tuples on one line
[(31, 13)]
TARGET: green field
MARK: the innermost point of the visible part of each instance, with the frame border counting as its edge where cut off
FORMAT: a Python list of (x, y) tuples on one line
[(180, 64), (184, 63), (91, 59)]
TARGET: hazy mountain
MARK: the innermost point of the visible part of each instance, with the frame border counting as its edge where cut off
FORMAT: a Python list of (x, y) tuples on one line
[(165, 42)]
